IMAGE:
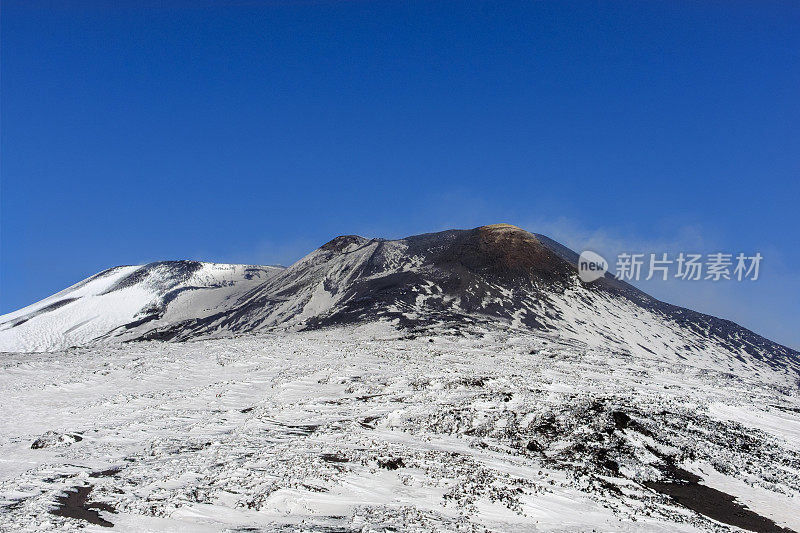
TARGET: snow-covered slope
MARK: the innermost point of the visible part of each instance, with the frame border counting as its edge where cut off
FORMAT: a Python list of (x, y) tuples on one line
[(499, 274), (126, 297), (370, 428)]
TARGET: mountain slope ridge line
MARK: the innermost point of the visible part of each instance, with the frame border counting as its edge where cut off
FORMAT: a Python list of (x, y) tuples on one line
[(491, 274)]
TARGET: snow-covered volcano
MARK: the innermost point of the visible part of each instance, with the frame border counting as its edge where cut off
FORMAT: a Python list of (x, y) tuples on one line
[(465, 380), (499, 273)]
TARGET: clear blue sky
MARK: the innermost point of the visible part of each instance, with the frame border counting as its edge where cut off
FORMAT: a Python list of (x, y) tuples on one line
[(257, 131)]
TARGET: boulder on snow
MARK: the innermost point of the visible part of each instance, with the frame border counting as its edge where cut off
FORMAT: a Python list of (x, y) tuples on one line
[(53, 438)]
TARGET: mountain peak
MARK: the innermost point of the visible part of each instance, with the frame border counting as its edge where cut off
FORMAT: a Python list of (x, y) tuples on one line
[(344, 243), (506, 234), (506, 252), (502, 226)]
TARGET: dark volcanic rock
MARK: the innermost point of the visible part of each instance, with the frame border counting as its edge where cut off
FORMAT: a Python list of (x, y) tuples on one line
[(392, 463), (505, 253), (52, 438), (621, 420), (717, 505), (75, 504)]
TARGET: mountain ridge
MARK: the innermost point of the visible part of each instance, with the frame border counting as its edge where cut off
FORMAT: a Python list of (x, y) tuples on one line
[(490, 274)]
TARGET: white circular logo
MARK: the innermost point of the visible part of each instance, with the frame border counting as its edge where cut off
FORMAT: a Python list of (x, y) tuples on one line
[(591, 266)]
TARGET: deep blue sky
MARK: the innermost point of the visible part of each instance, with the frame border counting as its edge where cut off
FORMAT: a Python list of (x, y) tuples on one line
[(257, 131)]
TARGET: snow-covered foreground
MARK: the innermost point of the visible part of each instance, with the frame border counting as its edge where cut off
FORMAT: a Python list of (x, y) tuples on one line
[(372, 429)]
